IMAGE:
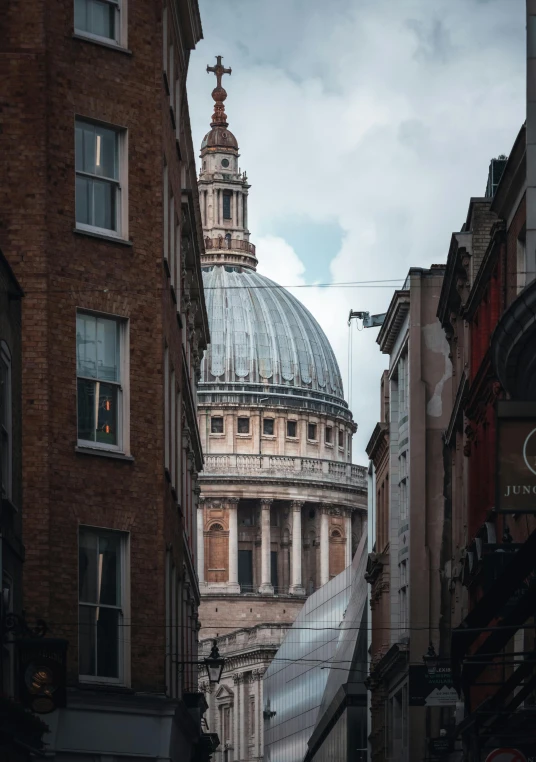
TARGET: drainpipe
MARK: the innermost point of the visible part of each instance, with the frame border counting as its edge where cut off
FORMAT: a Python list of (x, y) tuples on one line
[(531, 143)]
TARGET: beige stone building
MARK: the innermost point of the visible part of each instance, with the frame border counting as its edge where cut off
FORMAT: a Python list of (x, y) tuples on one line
[(281, 505)]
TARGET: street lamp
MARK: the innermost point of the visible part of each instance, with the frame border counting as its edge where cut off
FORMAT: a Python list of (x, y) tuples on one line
[(214, 664), (431, 659)]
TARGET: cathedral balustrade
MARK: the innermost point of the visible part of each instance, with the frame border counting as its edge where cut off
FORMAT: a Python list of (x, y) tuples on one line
[(308, 469), (235, 244)]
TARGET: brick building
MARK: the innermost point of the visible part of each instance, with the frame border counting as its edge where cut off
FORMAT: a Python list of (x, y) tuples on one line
[(99, 215)]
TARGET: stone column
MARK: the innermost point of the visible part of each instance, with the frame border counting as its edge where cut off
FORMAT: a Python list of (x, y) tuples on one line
[(348, 529), (266, 581), (260, 716), (324, 544), (232, 581), (296, 585), (201, 541), (239, 220), (237, 679), (244, 700)]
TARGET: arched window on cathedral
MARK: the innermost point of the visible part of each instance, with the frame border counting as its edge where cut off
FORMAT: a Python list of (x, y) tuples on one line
[(337, 553), (228, 240), (218, 554)]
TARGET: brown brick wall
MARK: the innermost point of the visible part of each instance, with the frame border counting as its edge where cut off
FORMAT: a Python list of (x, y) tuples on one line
[(47, 79)]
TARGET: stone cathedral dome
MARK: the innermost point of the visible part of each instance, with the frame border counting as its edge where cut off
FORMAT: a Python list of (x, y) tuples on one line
[(261, 334)]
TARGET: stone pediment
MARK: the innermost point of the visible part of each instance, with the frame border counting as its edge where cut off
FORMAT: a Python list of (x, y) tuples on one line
[(224, 693)]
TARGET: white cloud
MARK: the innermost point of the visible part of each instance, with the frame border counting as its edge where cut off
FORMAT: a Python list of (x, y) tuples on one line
[(377, 114)]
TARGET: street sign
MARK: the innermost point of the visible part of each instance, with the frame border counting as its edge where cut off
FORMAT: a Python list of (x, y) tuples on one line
[(432, 686), (506, 755)]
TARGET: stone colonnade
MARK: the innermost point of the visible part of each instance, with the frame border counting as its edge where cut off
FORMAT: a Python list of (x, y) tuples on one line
[(266, 587)]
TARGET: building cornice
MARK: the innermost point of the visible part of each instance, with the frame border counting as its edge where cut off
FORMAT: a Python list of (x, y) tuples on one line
[(498, 237), (378, 442), (398, 309)]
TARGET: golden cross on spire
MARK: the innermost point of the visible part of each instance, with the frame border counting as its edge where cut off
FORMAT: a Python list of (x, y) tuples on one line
[(219, 70)]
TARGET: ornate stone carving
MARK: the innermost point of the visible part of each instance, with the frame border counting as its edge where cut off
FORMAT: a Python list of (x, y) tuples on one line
[(266, 502), (297, 505)]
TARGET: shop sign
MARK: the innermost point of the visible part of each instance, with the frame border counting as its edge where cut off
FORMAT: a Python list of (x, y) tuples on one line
[(506, 755), (43, 678), (431, 686), (516, 457), (443, 745)]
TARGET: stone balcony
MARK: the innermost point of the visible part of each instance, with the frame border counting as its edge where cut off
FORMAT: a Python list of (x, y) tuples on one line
[(295, 468)]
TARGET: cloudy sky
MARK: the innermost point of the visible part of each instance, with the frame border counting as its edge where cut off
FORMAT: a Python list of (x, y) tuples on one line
[(365, 126)]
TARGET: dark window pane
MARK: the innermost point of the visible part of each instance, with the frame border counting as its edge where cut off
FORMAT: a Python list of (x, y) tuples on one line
[(108, 642), (88, 133), (82, 200), (86, 410), (311, 431), (108, 349), (104, 205), (95, 17), (86, 640), (87, 567), (291, 428), (245, 570), (86, 345), (109, 570), (328, 434), (79, 133), (341, 438), (268, 426), (107, 414), (106, 163), (226, 206), (243, 425), (216, 425)]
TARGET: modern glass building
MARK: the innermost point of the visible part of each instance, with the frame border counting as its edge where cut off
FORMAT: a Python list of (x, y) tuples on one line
[(314, 692)]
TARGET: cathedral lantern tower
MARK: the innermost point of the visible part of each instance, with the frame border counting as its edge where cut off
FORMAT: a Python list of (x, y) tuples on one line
[(223, 188)]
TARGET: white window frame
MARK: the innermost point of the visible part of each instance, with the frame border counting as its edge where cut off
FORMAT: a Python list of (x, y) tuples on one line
[(123, 406), (121, 26), (121, 183), (123, 633), (7, 430)]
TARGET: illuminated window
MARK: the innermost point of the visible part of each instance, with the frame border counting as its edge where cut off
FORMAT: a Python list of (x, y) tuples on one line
[(101, 381), (102, 605)]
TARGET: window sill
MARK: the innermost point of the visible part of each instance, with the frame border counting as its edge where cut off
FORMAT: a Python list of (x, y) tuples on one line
[(103, 237), (101, 42), (329, 444), (312, 441), (243, 436), (216, 435), (94, 684), (268, 436), (292, 439), (115, 454)]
